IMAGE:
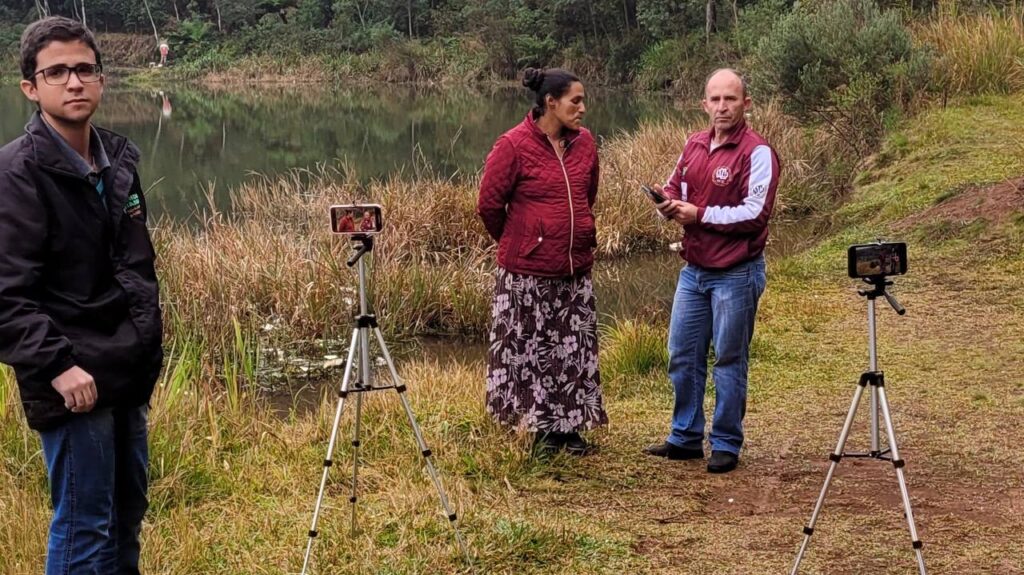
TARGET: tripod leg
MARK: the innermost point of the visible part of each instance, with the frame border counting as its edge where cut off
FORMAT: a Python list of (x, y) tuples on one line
[(365, 381), (834, 457), (355, 451), (330, 452), (898, 464), (424, 450), (876, 448)]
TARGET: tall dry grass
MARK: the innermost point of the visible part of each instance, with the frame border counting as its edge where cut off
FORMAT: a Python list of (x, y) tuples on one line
[(976, 53), (816, 166), (274, 262), (128, 50), (232, 487)]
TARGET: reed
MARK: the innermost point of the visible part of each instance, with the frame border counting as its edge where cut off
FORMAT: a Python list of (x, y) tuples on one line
[(976, 53)]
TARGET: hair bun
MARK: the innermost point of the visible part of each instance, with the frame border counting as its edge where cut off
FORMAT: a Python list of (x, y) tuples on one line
[(533, 78)]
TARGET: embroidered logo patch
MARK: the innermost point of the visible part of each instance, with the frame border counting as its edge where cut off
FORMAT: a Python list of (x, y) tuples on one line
[(722, 176), (133, 206), (759, 191)]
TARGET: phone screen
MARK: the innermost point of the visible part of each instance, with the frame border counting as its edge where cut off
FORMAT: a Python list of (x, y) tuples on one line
[(654, 195), (877, 260), (356, 220)]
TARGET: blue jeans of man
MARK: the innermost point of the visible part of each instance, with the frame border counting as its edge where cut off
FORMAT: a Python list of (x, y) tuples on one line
[(97, 464), (712, 307)]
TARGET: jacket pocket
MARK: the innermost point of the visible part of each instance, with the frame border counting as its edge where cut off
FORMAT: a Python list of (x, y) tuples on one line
[(532, 242), (585, 238), (42, 413)]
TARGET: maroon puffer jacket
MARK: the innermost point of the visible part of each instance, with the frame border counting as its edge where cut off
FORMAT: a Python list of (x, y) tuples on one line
[(538, 208)]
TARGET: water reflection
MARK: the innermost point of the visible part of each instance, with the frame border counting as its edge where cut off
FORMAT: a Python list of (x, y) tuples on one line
[(165, 107), (192, 137)]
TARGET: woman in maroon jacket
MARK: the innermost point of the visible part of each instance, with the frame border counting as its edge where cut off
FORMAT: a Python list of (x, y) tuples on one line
[(536, 195)]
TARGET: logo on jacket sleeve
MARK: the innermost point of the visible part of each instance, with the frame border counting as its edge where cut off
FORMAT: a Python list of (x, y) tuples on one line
[(722, 176), (133, 206)]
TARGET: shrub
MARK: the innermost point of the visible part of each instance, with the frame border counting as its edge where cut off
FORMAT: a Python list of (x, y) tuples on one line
[(661, 63), (755, 22), (191, 38), (630, 349), (846, 64), (681, 64)]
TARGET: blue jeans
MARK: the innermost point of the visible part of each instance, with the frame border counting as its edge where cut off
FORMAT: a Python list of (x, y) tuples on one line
[(97, 464), (712, 307)]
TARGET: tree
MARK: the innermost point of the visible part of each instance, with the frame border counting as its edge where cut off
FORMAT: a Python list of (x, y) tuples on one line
[(846, 64)]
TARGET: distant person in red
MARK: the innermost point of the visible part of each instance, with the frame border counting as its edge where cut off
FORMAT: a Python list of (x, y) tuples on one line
[(164, 49), (345, 224), (368, 224)]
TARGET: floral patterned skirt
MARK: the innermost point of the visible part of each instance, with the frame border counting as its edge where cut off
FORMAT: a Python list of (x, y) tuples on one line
[(542, 372)]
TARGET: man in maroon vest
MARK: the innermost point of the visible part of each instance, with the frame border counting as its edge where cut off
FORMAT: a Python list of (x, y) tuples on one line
[(721, 193)]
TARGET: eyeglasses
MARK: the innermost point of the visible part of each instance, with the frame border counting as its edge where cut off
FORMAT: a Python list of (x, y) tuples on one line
[(59, 75)]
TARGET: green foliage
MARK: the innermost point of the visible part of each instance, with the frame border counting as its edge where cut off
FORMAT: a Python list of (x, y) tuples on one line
[(313, 14), (756, 22), (660, 63), (191, 38), (670, 18), (680, 64), (8, 391), (846, 63), (10, 35)]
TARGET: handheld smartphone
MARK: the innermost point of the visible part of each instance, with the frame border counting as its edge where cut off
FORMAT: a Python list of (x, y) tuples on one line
[(654, 195), (356, 219)]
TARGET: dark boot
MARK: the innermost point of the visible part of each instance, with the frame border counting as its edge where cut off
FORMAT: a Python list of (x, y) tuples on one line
[(722, 462), (673, 451), (576, 445), (548, 442)]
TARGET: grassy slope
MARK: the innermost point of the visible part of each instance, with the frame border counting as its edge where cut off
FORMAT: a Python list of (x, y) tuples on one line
[(232, 487)]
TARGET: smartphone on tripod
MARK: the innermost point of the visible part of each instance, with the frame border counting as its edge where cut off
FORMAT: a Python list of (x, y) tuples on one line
[(359, 220)]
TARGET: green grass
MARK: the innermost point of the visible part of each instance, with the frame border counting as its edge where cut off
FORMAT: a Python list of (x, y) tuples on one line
[(938, 153), (446, 62)]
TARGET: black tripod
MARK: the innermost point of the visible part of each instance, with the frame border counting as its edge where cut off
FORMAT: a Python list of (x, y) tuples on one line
[(876, 380), (361, 339)]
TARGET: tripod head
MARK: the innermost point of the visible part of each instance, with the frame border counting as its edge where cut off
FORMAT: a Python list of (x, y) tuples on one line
[(362, 245), (878, 288)]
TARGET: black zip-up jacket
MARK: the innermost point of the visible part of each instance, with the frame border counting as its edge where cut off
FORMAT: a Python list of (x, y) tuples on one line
[(77, 278)]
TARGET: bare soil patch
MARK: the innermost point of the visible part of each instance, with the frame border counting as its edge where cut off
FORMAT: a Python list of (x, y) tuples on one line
[(993, 203)]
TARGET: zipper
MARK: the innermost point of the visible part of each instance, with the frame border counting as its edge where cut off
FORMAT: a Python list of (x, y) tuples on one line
[(568, 190)]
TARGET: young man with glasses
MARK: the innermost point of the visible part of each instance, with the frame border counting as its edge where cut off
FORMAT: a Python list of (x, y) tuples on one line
[(79, 307)]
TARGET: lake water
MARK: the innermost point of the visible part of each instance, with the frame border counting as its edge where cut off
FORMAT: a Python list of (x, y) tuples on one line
[(192, 138)]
